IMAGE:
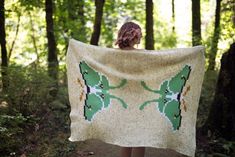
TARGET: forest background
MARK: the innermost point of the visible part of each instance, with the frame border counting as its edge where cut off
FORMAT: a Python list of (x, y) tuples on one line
[(34, 35)]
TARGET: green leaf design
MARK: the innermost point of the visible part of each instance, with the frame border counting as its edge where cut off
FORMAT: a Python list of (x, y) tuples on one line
[(97, 96), (170, 95)]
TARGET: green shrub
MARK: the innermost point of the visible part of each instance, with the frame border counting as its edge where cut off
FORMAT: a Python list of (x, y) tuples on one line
[(11, 127), (24, 102)]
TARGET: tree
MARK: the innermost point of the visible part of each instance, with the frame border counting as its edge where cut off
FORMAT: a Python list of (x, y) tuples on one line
[(149, 39), (77, 21), (97, 24), (4, 64), (16, 34), (109, 22), (173, 14), (196, 23), (52, 52), (221, 119), (215, 39)]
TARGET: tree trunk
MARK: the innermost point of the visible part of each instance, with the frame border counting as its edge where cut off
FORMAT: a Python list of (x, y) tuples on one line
[(52, 52), (4, 65), (173, 14), (149, 39), (14, 40), (221, 120), (3, 34), (215, 39), (196, 23), (98, 18), (233, 17)]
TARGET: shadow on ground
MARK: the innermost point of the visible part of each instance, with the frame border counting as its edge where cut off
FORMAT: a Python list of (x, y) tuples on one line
[(97, 148)]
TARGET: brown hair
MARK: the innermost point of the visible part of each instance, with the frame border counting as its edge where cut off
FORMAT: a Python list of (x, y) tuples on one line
[(127, 33)]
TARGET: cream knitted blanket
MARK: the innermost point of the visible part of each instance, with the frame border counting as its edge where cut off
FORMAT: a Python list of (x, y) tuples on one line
[(135, 97)]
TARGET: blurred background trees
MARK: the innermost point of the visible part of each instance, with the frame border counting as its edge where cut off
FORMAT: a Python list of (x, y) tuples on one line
[(34, 37)]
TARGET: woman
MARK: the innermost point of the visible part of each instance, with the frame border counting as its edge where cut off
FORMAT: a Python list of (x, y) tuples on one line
[(129, 35)]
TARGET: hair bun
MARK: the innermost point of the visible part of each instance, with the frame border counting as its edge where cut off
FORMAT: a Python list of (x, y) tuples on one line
[(127, 33)]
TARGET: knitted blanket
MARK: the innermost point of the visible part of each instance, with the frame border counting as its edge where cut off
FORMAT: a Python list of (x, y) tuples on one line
[(135, 97)]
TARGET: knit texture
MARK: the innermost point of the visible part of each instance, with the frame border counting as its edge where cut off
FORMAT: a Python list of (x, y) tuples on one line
[(135, 98)]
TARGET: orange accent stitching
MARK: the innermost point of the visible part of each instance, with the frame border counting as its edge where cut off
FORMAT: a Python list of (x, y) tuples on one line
[(186, 91), (79, 82), (184, 105), (82, 86)]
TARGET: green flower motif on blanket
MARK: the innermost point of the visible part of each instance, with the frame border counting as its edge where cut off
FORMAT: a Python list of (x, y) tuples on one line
[(97, 96), (170, 92)]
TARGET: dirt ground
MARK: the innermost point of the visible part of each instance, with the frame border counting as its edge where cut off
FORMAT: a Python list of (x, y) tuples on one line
[(97, 148)]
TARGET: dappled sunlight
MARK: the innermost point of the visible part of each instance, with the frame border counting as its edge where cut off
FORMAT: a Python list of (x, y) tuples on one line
[(3, 104), (35, 108), (183, 22)]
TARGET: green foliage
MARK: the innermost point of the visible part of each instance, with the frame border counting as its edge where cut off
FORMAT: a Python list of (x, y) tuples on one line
[(27, 87), (28, 102), (71, 21), (24, 101), (31, 31), (227, 33), (31, 4), (11, 128), (132, 9), (206, 40), (28, 114), (207, 95), (227, 25), (165, 36), (109, 23), (59, 146), (218, 148), (116, 13)]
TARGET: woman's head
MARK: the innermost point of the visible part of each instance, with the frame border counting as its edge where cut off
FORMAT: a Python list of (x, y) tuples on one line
[(128, 35)]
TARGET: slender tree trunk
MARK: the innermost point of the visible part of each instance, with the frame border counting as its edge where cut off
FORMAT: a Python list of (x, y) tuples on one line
[(196, 23), (221, 119), (233, 17), (14, 40), (4, 65), (173, 15), (52, 51), (215, 39), (98, 18), (149, 39), (33, 38), (3, 34)]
